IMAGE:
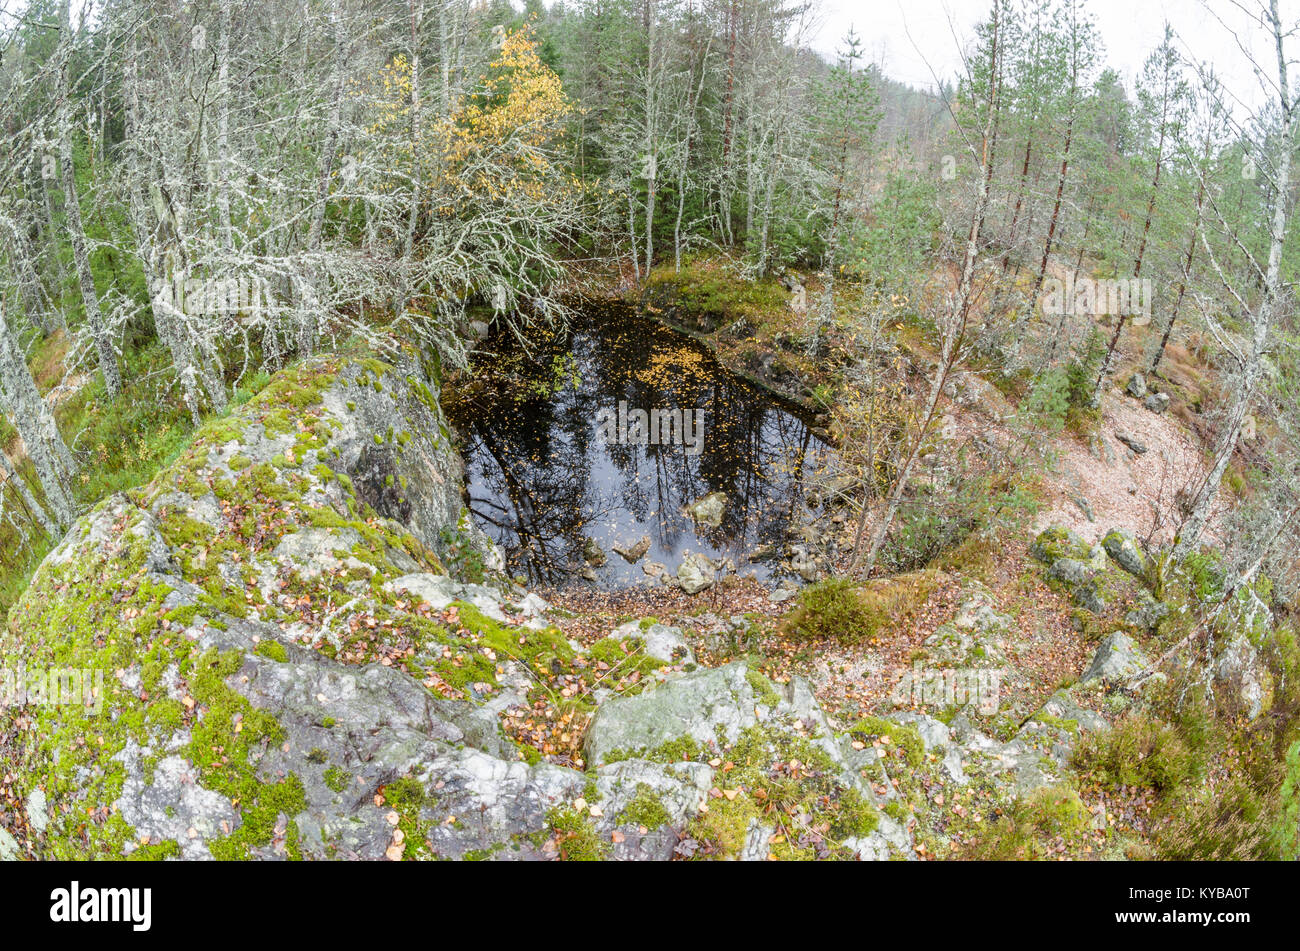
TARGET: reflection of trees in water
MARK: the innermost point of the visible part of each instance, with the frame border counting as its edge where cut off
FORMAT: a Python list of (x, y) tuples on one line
[(769, 490), (543, 479), (527, 471), (535, 509)]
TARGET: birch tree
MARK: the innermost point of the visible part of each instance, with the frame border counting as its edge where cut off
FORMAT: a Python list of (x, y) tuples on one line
[(76, 230), (954, 320), (1272, 147)]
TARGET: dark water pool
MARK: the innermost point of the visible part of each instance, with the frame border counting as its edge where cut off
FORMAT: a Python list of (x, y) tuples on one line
[(557, 466)]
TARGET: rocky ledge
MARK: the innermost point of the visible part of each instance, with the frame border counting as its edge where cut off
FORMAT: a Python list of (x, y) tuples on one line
[(308, 651)]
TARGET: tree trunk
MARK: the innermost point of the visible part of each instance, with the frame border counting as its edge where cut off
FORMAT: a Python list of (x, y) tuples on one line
[(223, 127), (9, 475), (1056, 210), (1203, 503), (1184, 278), (32, 418), (76, 230), (1020, 197), (651, 123), (955, 332), (1107, 365), (325, 163)]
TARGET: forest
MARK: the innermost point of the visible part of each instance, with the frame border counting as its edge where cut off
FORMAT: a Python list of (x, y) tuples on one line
[(995, 382)]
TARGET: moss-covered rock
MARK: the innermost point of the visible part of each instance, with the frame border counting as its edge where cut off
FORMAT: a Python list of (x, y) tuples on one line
[(1057, 542), (231, 607), (1123, 548), (305, 653)]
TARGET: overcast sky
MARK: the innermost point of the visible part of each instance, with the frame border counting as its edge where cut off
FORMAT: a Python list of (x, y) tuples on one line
[(903, 35)]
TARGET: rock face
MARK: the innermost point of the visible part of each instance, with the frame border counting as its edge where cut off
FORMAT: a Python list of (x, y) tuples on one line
[(1123, 548), (1148, 615), (306, 654), (224, 605), (709, 509), (1091, 575), (1057, 542), (668, 642), (1117, 659), (1071, 571), (1072, 564), (308, 651), (1157, 402), (804, 563), (1036, 756), (1132, 442), (759, 720), (634, 552), (799, 299), (975, 638), (697, 705), (696, 573), (592, 553)]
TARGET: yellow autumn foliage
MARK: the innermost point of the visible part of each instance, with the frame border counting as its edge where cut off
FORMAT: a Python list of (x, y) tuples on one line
[(498, 144)]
